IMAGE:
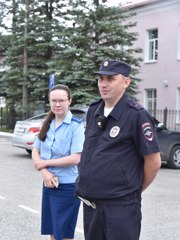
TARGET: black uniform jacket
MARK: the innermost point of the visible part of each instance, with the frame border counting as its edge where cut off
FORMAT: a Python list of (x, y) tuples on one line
[(112, 162)]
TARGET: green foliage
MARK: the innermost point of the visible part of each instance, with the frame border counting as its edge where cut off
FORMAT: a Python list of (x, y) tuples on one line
[(69, 42), (97, 33)]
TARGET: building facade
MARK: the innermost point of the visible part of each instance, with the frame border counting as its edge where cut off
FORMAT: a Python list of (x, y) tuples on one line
[(158, 26)]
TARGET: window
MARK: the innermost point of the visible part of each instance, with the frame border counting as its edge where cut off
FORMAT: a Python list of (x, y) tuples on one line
[(152, 46), (151, 97), (178, 47)]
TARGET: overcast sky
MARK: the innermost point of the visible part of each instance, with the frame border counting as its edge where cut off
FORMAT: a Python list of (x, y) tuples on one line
[(110, 3)]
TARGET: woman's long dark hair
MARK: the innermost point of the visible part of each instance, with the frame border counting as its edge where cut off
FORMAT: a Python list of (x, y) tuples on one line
[(50, 116)]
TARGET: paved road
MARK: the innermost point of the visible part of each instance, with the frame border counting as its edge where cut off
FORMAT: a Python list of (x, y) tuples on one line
[(20, 195), (161, 208), (20, 200)]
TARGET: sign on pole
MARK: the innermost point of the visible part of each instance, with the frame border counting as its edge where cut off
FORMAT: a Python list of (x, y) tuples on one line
[(2, 102), (51, 80)]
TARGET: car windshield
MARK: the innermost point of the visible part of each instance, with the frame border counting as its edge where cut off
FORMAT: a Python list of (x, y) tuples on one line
[(79, 113), (155, 121), (38, 117)]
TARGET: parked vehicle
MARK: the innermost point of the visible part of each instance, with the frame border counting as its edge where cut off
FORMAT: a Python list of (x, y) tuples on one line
[(25, 132), (169, 142)]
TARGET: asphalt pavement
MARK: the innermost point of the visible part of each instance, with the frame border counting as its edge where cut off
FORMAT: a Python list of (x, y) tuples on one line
[(20, 200)]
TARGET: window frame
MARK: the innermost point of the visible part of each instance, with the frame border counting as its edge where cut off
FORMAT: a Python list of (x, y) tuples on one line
[(151, 43), (151, 102), (178, 43)]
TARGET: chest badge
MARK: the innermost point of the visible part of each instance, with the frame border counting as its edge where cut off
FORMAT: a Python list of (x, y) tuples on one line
[(114, 131)]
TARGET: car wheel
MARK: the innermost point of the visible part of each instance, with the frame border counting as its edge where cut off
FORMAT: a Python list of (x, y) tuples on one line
[(174, 158), (28, 151)]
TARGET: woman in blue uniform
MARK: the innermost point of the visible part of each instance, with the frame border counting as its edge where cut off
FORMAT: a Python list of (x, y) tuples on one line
[(56, 153)]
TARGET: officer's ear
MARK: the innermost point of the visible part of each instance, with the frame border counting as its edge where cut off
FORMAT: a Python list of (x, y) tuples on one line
[(127, 81)]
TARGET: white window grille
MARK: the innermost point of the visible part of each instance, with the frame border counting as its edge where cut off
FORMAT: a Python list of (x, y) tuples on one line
[(152, 45), (178, 47), (151, 101)]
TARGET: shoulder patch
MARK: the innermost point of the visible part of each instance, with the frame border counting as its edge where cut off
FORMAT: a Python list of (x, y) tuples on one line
[(147, 131), (134, 105), (76, 119)]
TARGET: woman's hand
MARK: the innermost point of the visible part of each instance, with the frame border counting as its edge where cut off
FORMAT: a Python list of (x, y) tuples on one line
[(39, 164), (49, 180)]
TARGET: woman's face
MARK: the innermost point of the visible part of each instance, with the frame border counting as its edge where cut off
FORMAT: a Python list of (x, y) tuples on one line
[(59, 102)]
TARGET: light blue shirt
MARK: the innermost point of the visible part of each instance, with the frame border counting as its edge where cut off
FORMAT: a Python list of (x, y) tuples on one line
[(66, 139)]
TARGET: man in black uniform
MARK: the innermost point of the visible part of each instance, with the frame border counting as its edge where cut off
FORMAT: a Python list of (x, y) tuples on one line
[(120, 159)]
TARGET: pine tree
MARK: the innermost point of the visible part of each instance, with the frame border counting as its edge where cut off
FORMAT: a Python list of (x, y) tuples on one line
[(97, 32), (31, 79), (69, 42)]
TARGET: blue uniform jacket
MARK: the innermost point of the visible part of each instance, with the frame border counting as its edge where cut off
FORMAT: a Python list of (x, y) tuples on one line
[(66, 139), (112, 159)]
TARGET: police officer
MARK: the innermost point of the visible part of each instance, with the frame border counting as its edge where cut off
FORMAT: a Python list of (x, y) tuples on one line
[(120, 158)]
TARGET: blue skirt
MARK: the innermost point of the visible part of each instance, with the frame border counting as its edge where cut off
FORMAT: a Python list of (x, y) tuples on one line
[(59, 211)]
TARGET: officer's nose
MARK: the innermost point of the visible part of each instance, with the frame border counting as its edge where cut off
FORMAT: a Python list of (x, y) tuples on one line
[(103, 81)]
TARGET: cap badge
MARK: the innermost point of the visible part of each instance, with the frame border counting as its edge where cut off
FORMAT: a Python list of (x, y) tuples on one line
[(114, 131), (105, 63)]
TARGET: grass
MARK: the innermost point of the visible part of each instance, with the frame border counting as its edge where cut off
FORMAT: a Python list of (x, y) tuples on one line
[(6, 130)]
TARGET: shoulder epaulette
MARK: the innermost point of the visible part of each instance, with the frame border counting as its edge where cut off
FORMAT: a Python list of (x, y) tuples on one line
[(135, 105), (76, 119)]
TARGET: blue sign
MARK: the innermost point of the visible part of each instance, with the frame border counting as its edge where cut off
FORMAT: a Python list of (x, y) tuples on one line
[(51, 81)]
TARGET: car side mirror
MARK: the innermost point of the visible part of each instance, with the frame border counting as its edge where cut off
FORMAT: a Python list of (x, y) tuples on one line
[(160, 126)]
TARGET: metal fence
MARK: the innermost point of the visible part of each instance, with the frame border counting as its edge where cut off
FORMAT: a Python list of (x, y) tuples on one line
[(170, 118)]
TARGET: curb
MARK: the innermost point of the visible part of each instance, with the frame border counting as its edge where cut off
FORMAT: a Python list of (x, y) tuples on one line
[(6, 134)]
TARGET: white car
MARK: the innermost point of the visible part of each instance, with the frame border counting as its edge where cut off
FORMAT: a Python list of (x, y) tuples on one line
[(25, 132)]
